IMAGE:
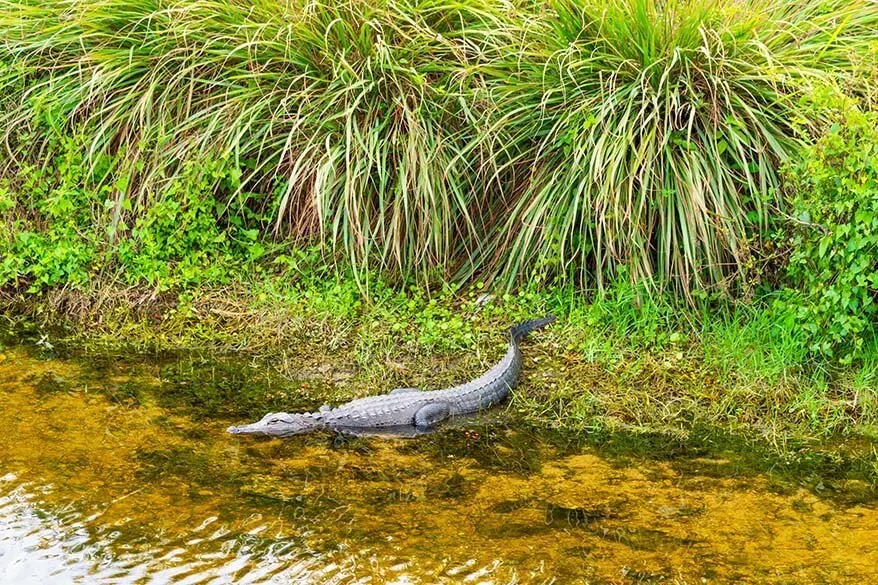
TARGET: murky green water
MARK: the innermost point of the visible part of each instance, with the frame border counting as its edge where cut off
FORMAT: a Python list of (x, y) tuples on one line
[(117, 470)]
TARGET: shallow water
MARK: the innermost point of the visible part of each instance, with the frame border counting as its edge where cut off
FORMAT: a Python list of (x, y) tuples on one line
[(118, 470)]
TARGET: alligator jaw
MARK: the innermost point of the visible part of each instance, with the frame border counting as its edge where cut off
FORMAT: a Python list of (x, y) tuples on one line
[(280, 424)]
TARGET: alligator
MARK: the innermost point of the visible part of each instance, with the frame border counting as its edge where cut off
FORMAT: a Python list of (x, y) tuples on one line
[(405, 409)]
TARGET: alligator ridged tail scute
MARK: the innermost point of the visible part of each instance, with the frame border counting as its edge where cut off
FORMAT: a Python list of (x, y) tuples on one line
[(522, 329)]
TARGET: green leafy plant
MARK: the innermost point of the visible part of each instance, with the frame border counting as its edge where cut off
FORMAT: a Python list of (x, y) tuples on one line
[(834, 259), (57, 231)]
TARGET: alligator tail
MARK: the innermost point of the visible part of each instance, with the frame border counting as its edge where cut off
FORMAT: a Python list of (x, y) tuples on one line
[(523, 329)]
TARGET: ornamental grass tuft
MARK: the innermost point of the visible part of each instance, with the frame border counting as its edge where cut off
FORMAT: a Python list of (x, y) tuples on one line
[(647, 134), (441, 138)]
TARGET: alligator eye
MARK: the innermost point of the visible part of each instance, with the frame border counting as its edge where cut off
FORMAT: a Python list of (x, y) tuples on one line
[(271, 418), (277, 418)]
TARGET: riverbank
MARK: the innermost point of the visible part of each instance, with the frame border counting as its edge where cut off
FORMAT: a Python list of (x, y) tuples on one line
[(618, 363)]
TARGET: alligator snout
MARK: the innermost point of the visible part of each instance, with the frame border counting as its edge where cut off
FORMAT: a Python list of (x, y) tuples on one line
[(279, 424)]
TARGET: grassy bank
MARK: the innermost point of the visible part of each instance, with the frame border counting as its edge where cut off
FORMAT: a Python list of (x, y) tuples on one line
[(375, 191), (523, 141), (616, 364)]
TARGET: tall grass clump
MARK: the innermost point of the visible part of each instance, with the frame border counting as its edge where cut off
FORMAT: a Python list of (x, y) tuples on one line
[(346, 118), (540, 138), (648, 133)]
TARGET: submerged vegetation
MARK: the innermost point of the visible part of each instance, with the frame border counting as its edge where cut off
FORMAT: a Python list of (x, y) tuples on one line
[(690, 184), (165, 491)]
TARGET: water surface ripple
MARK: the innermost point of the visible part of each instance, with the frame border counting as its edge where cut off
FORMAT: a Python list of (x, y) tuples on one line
[(119, 472)]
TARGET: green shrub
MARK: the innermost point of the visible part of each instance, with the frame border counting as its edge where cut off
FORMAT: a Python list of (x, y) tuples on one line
[(647, 133), (834, 260), (435, 138), (354, 108), (180, 240), (57, 231), (51, 237)]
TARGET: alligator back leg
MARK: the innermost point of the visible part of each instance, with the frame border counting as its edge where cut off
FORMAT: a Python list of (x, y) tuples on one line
[(431, 414), (405, 390)]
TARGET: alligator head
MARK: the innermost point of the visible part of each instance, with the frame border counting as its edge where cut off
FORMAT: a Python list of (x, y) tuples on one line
[(281, 424)]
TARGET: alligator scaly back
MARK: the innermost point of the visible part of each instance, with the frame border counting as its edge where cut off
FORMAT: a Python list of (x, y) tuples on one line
[(406, 408)]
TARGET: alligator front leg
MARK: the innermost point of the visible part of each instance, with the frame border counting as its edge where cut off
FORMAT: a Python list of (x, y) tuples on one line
[(430, 415)]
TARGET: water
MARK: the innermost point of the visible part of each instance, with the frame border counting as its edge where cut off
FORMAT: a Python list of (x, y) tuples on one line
[(117, 470)]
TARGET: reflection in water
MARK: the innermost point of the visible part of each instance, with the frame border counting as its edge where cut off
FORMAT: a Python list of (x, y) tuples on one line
[(121, 473), (39, 547)]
